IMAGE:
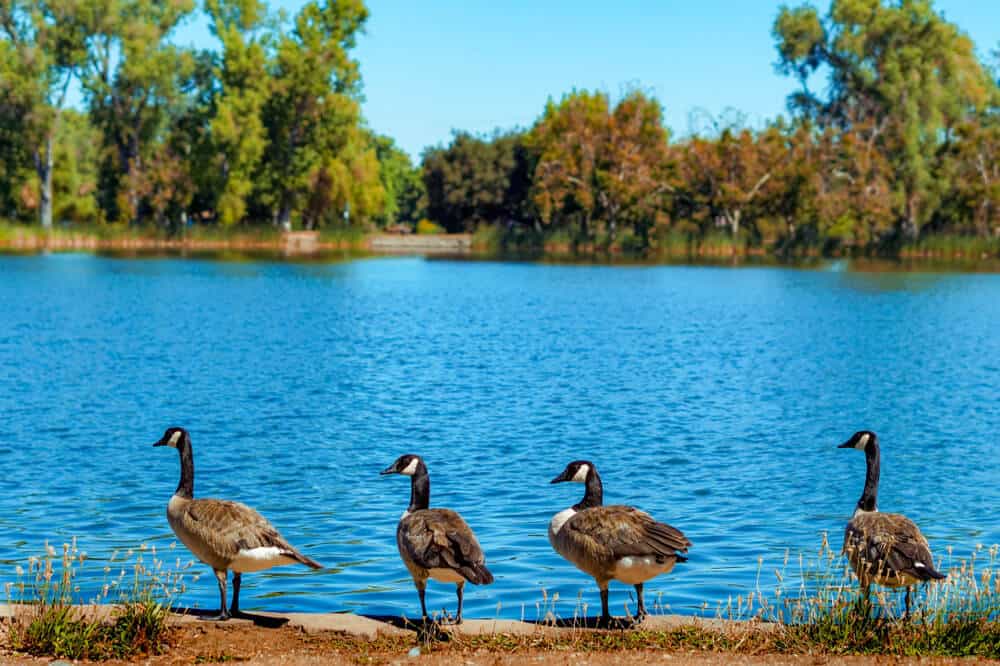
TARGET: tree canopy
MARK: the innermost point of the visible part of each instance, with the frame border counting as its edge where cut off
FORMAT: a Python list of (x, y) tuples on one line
[(892, 136)]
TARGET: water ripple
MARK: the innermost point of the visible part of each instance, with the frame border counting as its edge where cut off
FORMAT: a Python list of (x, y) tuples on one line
[(712, 398)]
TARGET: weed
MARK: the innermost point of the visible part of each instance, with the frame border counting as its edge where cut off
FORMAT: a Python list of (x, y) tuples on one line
[(128, 617)]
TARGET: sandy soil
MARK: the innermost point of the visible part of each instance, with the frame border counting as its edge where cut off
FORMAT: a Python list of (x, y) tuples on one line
[(308, 639), (245, 644)]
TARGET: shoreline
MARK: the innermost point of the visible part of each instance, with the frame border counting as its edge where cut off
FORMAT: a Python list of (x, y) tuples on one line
[(323, 638), (313, 246)]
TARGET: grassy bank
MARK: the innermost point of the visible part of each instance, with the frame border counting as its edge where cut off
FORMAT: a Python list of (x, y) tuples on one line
[(491, 242), (811, 607)]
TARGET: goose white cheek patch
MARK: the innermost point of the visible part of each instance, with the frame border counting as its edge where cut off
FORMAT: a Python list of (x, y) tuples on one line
[(410, 469), (581, 474), (173, 439), (862, 442)]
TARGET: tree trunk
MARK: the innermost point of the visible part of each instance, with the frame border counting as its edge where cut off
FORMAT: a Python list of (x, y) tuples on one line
[(734, 221), (285, 218), (43, 166)]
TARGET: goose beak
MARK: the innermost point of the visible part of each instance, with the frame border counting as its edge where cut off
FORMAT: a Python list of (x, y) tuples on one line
[(160, 443), (391, 469), (559, 479), (846, 445)]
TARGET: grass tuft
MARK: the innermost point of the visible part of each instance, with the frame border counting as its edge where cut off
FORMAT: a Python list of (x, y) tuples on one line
[(50, 622)]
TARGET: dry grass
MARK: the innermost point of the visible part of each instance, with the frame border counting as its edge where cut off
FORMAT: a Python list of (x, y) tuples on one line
[(50, 622)]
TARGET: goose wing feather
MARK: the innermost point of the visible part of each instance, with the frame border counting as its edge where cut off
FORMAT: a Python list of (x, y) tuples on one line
[(888, 545), (616, 531), (441, 539), (230, 527)]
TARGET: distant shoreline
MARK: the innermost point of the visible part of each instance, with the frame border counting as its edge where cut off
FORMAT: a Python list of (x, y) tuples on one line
[(312, 245)]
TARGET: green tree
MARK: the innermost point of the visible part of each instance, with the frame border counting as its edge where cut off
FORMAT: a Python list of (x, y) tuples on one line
[(312, 111), (477, 180), (238, 135), (136, 84), (40, 51), (74, 178), (901, 79), (405, 193)]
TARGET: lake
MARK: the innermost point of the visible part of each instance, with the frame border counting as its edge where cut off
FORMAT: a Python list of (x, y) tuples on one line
[(712, 398)]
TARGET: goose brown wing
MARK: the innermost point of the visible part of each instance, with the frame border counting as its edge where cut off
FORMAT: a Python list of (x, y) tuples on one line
[(621, 531), (229, 527), (889, 544), (440, 539)]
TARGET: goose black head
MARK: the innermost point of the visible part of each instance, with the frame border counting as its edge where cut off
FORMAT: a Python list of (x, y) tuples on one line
[(862, 440), (575, 472), (407, 465), (174, 437)]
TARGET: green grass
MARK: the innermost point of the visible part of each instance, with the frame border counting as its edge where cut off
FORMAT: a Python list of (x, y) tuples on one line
[(946, 246), (488, 238), (50, 622)]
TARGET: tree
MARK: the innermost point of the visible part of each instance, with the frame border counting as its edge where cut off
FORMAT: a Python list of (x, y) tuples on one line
[(40, 51), (238, 136), (598, 167), (136, 84), (901, 79), (724, 179), (312, 109), (405, 193), (477, 180)]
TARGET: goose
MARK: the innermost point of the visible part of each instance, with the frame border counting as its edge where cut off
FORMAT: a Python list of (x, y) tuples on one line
[(883, 548), (435, 543), (224, 535), (613, 542)]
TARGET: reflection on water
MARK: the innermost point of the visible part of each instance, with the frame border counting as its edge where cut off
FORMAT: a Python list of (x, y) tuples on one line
[(711, 397)]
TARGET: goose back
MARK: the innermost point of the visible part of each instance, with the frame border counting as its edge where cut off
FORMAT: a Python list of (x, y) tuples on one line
[(888, 549), (609, 541), (437, 543), (230, 535)]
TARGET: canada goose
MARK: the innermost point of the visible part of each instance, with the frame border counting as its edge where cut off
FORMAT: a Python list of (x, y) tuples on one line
[(613, 542), (883, 548), (435, 543), (224, 535)]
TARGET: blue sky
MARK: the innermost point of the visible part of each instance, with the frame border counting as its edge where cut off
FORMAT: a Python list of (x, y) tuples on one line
[(430, 67)]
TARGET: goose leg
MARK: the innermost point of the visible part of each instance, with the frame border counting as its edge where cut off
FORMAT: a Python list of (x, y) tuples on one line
[(906, 615), (421, 591), (234, 608), (605, 615), (220, 577), (641, 607), (460, 587)]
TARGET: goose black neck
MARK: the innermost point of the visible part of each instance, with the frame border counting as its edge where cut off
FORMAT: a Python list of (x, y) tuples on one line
[(594, 495), (869, 496), (420, 489), (186, 486)]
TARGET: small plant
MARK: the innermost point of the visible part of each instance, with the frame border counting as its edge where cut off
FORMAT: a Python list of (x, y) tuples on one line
[(428, 227), (50, 622)]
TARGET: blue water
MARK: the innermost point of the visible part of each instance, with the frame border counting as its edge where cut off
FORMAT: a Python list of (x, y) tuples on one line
[(711, 397)]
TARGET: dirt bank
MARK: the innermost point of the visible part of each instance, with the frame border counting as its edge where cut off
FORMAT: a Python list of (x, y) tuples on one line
[(341, 638)]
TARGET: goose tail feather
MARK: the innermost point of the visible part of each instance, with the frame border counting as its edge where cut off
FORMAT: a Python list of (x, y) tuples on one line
[(932, 574), (477, 574), (308, 561)]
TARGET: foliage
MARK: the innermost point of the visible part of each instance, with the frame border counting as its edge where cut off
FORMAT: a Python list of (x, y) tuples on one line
[(477, 180), (405, 195), (425, 226), (600, 169), (897, 152), (901, 78)]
